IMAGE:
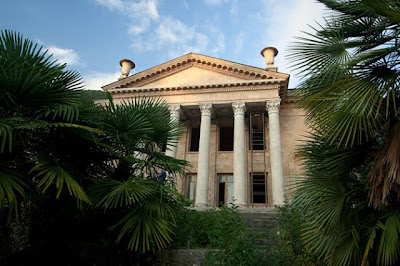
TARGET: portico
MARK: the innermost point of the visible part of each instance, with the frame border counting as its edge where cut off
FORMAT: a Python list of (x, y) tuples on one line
[(215, 99)]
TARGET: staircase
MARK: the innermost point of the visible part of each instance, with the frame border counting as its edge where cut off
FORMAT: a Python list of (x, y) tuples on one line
[(262, 226)]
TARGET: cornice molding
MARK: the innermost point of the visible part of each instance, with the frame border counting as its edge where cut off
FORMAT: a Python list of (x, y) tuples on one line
[(198, 89)]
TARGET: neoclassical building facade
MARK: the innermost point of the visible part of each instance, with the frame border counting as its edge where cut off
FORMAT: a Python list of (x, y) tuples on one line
[(241, 126)]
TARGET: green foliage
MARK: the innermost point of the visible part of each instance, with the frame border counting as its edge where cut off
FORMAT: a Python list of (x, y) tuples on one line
[(350, 92), (340, 226), (221, 231), (239, 251), (94, 95), (290, 248), (211, 228), (64, 159)]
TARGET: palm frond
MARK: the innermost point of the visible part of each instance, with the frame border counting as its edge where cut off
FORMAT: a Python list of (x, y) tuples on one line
[(30, 78), (7, 125), (13, 188), (117, 194), (389, 246), (150, 224), (49, 172)]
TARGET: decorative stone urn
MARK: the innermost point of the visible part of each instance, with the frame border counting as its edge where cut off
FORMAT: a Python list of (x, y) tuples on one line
[(126, 65)]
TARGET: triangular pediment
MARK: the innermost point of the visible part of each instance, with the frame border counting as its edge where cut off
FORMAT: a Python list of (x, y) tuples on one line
[(195, 69), (192, 76)]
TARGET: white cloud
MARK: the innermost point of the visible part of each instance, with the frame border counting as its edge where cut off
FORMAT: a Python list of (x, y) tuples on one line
[(172, 30), (151, 31), (215, 2), (95, 81), (220, 44), (234, 8), (283, 20), (111, 4), (67, 56), (142, 14)]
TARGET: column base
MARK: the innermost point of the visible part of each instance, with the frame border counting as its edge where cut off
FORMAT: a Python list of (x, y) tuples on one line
[(200, 207)]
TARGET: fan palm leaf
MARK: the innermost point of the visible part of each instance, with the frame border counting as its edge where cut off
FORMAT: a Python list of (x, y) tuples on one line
[(49, 172)]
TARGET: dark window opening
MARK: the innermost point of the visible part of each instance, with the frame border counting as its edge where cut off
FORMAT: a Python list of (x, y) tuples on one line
[(226, 138), (194, 139), (221, 194), (259, 194), (257, 138)]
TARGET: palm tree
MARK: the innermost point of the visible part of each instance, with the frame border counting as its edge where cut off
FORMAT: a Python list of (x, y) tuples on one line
[(56, 146), (350, 92), (136, 132), (37, 97)]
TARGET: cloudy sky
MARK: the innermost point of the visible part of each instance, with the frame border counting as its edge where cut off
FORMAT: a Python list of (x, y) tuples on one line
[(91, 36)]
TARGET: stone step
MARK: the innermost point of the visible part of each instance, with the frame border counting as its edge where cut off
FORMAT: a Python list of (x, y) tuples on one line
[(261, 226)]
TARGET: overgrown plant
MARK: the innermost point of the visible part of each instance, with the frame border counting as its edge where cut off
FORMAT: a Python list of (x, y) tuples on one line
[(222, 231), (290, 248), (350, 93), (62, 155)]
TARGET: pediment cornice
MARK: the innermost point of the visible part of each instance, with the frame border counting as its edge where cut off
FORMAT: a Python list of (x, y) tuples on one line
[(245, 72)]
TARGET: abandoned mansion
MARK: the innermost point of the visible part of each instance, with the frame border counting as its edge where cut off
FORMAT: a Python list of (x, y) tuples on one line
[(241, 126)]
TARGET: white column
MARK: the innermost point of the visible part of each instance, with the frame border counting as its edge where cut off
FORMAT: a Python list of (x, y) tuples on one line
[(204, 155), (275, 147), (239, 155), (175, 111)]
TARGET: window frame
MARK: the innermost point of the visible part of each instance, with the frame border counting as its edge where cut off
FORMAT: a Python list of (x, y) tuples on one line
[(226, 194), (187, 185)]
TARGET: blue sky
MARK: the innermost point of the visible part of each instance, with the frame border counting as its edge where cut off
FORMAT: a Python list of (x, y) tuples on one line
[(91, 36)]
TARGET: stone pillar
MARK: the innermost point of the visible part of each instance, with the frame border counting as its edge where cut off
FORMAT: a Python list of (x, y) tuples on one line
[(278, 183), (239, 155), (175, 111), (204, 155)]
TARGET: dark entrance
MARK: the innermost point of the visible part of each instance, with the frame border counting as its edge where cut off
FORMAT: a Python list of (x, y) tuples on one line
[(259, 192), (221, 194)]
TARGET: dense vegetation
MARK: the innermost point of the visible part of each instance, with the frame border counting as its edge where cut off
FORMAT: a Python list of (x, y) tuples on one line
[(94, 95), (351, 193), (74, 176)]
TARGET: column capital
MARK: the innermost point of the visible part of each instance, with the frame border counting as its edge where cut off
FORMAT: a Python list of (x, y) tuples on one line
[(205, 109), (273, 106), (239, 108), (175, 110)]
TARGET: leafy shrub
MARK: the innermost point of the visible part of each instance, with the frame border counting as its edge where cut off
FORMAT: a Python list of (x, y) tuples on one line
[(222, 230), (290, 249), (212, 228)]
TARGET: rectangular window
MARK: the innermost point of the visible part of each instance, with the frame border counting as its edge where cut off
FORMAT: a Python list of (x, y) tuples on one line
[(225, 189), (191, 186), (194, 139), (226, 138), (257, 130), (258, 186)]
